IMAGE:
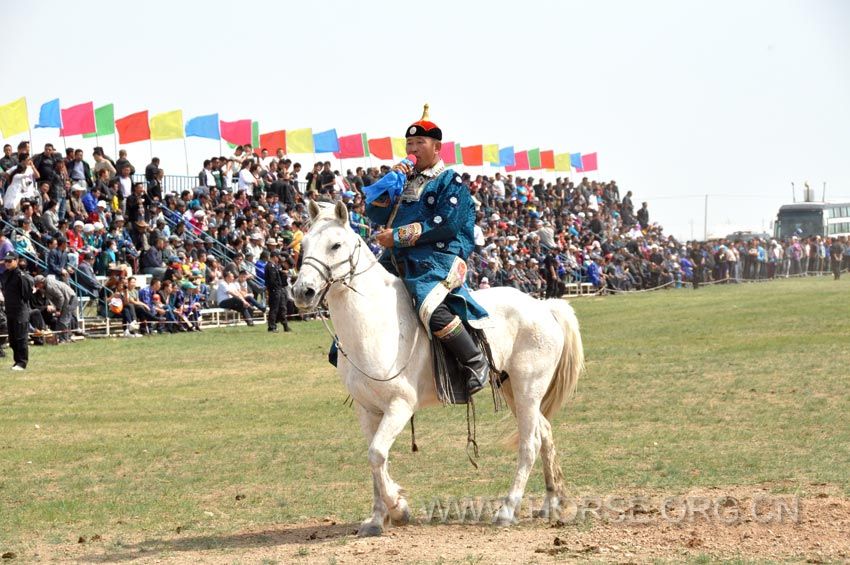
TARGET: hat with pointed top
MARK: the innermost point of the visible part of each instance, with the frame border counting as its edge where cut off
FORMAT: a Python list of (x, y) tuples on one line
[(425, 127)]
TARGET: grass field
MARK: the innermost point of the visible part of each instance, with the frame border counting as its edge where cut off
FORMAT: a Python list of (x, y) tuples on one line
[(236, 428)]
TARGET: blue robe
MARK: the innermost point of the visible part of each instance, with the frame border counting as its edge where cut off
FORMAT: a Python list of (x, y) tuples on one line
[(433, 237)]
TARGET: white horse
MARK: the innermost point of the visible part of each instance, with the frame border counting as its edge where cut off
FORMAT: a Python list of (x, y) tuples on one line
[(388, 368)]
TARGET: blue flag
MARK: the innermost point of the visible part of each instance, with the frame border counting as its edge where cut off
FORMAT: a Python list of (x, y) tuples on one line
[(49, 116), (575, 161), (507, 157), (326, 142), (203, 126)]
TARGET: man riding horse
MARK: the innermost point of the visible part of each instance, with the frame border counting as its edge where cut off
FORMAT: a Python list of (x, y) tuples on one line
[(427, 240)]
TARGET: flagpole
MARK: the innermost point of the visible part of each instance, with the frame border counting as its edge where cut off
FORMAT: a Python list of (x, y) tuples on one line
[(150, 149), (114, 142), (220, 150), (64, 145), (186, 155)]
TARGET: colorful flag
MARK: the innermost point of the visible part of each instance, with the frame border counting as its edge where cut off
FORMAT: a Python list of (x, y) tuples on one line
[(507, 157), (575, 161), (399, 147), (255, 136), (458, 154), (382, 148), (104, 121), (203, 126), (473, 155), (238, 132), (522, 161), (325, 141), (351, 146), (447, 153), (562, 162), (300, 141), (273, 141), (13, 118), (78, 119), (547, 160), (491, 154), (133, 128), (49, 116), (168, 125), (534, 159), (588, 162)]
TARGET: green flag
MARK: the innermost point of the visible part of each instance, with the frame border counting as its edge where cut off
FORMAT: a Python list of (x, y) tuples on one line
[(104, 121), (458, 154), (534, 159), (255, 135), (365, 145)]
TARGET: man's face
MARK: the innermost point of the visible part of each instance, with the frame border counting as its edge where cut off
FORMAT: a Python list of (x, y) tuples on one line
[(125, 171), (11, 263), (78, 155), (7, 150), (48, 150), (425, 149)]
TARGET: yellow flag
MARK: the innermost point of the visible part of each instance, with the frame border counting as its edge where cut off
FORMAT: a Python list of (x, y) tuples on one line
[(13, 118), (300, 141), (562, 162), (491, 153), (168, 125), (399, 147)]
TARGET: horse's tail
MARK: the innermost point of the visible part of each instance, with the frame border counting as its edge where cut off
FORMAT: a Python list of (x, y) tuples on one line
[(570, 366)]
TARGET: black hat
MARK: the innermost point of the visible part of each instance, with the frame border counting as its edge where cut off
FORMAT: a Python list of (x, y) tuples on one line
[(425, 127), (10, 255)]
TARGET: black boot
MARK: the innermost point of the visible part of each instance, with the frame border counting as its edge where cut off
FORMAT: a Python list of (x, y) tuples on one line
[(473, 361)]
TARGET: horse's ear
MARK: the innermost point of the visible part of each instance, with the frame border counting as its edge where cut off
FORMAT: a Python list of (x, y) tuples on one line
[(341, 212), (313, 209)]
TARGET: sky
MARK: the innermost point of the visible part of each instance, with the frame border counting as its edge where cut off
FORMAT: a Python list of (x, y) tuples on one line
[(731, 99)]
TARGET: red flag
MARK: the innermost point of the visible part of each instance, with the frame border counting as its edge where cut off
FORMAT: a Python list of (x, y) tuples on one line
[(588, 162), (78, 120), (273, 141), (350, 146), (547, 159), (447, 153), (132, 128), (238, 132), (382, 148), (473, 155)]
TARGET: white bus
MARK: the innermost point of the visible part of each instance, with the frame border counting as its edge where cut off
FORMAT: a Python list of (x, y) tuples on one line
[(805, 219)]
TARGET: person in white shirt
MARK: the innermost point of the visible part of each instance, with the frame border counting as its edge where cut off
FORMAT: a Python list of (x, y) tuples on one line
[(499, 187), (228, 295), (247, 180)]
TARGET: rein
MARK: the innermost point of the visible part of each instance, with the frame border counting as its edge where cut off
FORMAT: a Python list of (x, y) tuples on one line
[(326, 272)]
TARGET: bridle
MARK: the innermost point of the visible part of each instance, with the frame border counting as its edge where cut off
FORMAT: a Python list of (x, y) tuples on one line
[(326, 271)]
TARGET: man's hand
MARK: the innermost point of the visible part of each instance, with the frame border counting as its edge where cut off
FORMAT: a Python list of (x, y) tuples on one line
[(404, 168), (385, 238)]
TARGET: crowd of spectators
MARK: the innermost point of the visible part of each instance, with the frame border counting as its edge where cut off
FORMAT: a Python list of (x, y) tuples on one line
[(87, 226)]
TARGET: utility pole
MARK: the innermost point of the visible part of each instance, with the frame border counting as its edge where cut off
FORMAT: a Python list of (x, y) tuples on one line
[(705, 221), (823, 194), (793, 194)]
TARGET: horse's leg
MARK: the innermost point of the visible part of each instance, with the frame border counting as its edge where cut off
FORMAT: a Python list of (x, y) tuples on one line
[(552, 474), (392, 424), (527, 415), (374, 524)]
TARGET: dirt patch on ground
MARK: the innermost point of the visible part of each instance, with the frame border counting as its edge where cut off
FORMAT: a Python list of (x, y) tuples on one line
[(713, 523)]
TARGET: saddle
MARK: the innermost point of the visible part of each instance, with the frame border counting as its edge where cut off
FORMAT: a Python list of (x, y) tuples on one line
[(449, 376)]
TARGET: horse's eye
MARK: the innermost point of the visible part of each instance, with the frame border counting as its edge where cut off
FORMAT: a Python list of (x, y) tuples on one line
[(336, 246)]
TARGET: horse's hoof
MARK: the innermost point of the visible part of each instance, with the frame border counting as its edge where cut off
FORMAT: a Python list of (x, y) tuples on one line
[(502, 522), (369, 531), (401, 516)]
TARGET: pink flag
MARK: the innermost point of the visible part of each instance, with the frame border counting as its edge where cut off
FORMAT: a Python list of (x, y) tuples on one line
[(588, 162), (238, 132), (447, 153), (78, 120), (350, 146)]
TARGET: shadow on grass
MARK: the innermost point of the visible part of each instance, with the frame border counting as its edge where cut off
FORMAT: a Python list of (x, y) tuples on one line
[(286, 535)]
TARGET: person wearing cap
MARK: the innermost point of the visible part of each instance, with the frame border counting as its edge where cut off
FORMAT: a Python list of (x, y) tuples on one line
[(276, 281), (429, 236), (17, 293)]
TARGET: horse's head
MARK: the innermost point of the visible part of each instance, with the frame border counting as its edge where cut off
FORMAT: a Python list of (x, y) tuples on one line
[(329, 253)]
